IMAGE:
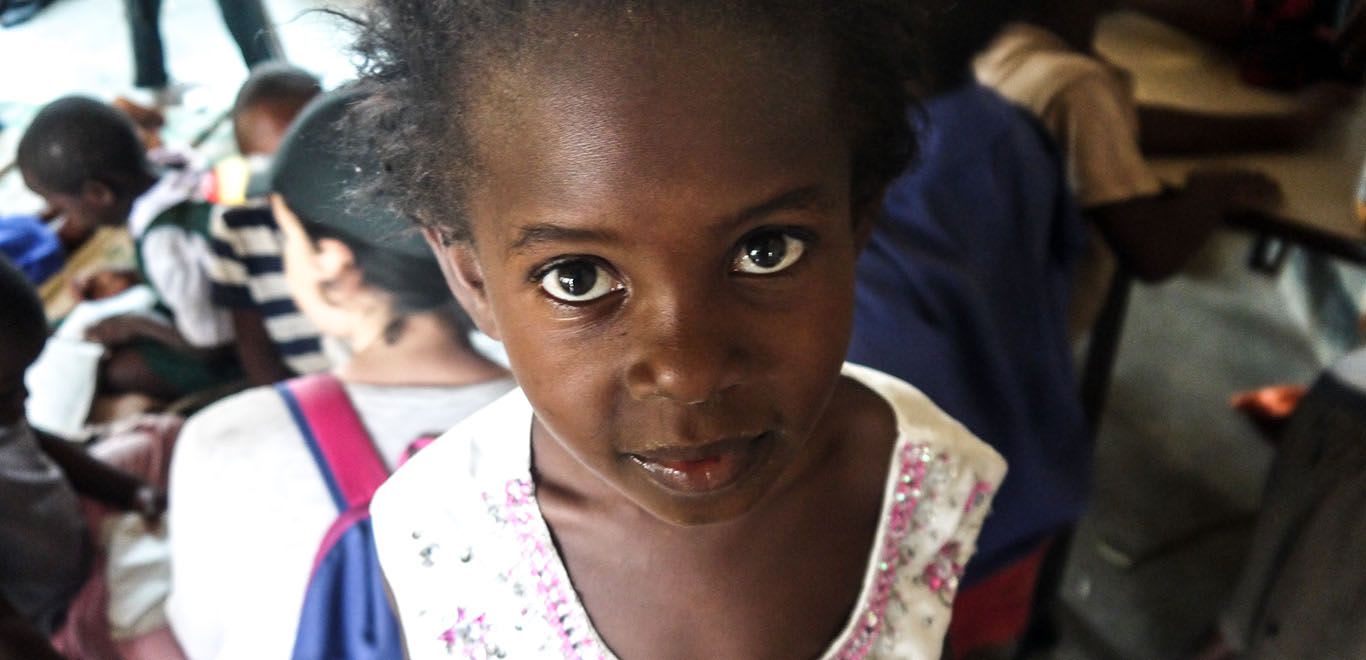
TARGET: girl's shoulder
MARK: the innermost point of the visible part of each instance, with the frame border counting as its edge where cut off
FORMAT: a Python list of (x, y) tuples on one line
[(921, 423), (485, 449), (452, 529), (936, 496)]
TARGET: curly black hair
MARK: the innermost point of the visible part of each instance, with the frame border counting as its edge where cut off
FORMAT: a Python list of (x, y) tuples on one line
[(421, 58)]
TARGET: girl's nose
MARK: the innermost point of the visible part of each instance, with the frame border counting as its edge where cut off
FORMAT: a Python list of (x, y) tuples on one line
[(687, 352)]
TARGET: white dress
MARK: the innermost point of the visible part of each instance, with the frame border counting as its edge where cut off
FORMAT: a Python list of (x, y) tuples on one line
[(474, 572), (249, 509)]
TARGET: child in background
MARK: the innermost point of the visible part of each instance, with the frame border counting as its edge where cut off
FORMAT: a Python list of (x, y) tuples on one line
[(241, 564), (962, 292), (85, 159), (44, 552), (657, 207), (274, 341), (1045, 63)]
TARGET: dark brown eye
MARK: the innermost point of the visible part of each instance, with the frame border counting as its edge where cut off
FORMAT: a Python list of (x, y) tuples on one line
[(768, 252), (579, 280)]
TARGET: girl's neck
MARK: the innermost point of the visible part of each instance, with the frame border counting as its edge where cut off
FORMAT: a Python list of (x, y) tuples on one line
[(428, 352)]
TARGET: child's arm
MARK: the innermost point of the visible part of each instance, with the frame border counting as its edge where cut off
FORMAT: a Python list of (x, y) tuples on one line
[(100, 481), (127, 328), (1167, 130), (255, 349), (1155, 236)]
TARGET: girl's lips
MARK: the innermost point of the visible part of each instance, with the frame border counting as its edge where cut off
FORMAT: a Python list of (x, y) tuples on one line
[(705, 469)]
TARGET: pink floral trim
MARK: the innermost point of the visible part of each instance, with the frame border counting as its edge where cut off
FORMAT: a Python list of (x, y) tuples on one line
[(577, 639), (979, 496), (913, 478)]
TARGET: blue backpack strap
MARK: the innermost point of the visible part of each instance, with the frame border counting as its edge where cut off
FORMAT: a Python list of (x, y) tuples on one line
[(346, 612), (336, 437)]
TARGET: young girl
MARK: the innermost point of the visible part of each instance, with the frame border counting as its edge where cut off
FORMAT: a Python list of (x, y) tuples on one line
[(252, 505), (657, 206)]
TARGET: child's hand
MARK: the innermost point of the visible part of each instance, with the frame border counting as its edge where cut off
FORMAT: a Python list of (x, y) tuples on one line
[(150, 503), (103, 284), (115, 331), (1235, 189)]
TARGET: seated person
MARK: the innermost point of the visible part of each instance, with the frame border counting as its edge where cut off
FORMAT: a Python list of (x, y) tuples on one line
[(274, 340), (241, 564), (43, 539), (42, 536), (962, 292), (1044, 63), (85, 159)]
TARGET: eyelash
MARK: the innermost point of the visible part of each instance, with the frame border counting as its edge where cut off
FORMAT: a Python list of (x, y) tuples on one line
[(806, 240)]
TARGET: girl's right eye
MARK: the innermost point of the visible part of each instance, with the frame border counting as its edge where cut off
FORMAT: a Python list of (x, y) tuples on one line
[(578, 281)]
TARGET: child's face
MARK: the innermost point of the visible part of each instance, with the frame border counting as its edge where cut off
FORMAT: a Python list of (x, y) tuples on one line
[(260, 128), (666, 245), (95, 206)]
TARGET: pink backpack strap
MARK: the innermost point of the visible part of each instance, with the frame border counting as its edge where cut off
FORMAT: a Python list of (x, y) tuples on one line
[(344, 451), (417, 445)]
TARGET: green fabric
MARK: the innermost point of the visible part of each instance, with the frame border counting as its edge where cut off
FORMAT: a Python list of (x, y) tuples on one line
[(186, 373), (190, 216)]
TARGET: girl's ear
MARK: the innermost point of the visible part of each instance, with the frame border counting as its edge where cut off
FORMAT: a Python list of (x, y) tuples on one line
[(465, 279), (335, 266)]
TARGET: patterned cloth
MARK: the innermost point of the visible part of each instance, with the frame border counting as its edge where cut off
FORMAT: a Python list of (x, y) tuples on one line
[(247, 272), (475, 574)]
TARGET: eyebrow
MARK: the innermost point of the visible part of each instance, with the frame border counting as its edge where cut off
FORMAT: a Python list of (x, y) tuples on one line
[(795, 199), (544, 232), (531, 235)]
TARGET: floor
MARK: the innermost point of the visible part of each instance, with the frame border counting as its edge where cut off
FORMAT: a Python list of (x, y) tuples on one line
[(1178, 473)]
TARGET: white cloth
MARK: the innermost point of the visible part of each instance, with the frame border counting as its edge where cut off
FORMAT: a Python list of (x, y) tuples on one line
[(61, 382), (249, 510), (474, 572), (175, 260), (44, 551)]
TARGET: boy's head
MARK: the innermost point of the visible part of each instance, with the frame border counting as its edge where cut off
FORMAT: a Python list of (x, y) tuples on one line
[(267, 103), (23, 331), (657, 206), (85, 159)]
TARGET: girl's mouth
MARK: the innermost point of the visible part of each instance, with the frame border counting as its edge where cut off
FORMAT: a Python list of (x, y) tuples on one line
[(704, 469)]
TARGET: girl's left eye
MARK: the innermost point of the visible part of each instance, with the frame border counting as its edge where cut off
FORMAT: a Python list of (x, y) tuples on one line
[(578, 281), (768, 252)]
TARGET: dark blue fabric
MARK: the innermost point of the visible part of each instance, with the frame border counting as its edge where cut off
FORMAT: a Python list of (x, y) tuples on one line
[(299, 347), (31, 246), (962, 292), (346, 611)]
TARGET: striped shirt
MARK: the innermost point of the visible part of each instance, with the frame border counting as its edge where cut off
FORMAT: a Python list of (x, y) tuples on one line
[(248, 273)]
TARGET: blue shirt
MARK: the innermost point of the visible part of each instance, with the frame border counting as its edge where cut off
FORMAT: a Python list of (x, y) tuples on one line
[(32, 247), (962, 292)]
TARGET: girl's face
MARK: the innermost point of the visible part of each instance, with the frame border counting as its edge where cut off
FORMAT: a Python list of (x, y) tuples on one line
[(664, 240)]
